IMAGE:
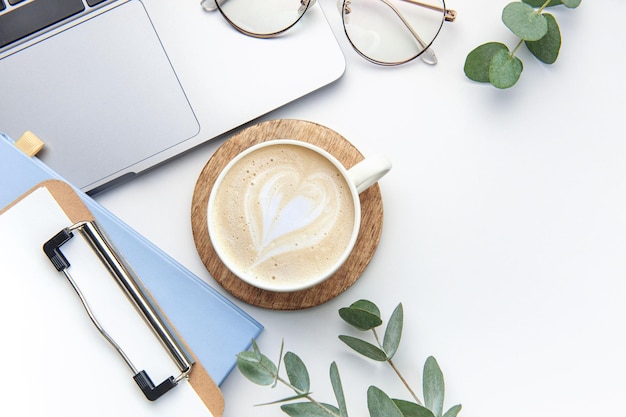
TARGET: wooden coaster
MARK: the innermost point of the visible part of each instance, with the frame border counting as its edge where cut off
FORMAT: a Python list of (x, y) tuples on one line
[(367, 241)]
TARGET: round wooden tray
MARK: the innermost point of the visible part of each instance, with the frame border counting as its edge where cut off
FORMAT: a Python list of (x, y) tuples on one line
[(351, 270)]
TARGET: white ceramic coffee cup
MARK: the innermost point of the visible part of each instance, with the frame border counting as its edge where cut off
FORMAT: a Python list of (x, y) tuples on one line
[(272, 219)]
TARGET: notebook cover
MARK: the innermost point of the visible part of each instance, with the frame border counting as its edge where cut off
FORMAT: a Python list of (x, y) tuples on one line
[(213, 327)]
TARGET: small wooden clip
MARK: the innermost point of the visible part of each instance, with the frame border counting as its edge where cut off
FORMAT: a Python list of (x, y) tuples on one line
[(29, 143)]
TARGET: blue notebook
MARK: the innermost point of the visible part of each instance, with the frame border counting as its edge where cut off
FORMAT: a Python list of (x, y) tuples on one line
[(213, 327)]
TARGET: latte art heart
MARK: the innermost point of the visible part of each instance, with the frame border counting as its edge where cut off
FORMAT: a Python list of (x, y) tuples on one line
[(286, 211), (284, 214)]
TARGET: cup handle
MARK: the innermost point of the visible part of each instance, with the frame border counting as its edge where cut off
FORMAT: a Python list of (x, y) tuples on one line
[(369, 171)]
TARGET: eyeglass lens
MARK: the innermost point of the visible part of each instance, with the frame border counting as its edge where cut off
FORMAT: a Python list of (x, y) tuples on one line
[(263, 18), (391, 32)]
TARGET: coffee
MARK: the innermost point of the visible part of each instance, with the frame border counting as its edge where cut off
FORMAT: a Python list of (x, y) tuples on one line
[(284, 215)]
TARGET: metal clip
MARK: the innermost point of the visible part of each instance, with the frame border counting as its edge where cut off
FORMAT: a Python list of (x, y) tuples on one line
[(127, 280)]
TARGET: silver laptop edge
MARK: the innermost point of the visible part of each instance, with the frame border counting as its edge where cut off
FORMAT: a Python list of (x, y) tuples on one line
[(217, 80)]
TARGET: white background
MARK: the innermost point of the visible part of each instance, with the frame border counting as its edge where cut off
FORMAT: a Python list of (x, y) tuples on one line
[(504, 230)]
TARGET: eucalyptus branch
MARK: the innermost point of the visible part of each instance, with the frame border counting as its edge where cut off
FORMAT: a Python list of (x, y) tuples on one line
[(259, 369), (363, 315), (539, 31)]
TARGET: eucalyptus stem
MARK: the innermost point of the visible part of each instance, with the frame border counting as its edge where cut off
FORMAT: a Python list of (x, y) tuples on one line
[(305, 395), (393, 366), (520, 43), (397, 371)]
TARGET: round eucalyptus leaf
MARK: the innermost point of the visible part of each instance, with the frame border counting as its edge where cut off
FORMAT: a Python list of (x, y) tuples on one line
[(504, 70), (539, 3), (524, 21), (547, 48), (477, 62), (572, 4)]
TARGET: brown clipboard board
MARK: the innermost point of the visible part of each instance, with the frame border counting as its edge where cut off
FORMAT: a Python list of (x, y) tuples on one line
[(202, 383)]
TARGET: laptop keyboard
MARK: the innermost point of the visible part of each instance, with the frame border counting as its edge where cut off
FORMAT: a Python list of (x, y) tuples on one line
[(20, 19)]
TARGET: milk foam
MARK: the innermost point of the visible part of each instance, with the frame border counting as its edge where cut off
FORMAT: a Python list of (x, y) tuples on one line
[(284, 214)]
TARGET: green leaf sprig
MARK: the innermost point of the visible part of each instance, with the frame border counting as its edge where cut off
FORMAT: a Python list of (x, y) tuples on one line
[(364, 316), (494, 63)]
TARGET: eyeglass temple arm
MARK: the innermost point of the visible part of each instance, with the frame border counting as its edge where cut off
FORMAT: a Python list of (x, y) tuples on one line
[(449, 16)]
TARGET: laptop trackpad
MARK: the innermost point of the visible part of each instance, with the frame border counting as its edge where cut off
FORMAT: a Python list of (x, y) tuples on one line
[(101, 94)]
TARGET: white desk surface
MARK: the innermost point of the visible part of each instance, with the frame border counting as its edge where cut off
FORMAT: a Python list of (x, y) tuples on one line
[(504, 232)]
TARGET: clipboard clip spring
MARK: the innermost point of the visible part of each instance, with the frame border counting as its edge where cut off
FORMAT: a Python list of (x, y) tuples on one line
[(128, 282)]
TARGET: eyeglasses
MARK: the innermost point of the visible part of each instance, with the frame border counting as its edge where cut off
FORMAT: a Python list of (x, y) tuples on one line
[(385, 32)]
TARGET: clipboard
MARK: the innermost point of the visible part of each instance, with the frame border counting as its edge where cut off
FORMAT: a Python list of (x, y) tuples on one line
[(76, 211), (213, 326)]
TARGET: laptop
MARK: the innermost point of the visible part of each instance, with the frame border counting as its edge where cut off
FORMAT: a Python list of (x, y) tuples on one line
[(116, 87)]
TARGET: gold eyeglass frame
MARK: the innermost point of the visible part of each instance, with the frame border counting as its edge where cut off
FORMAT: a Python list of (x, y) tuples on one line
[(427, 54)]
